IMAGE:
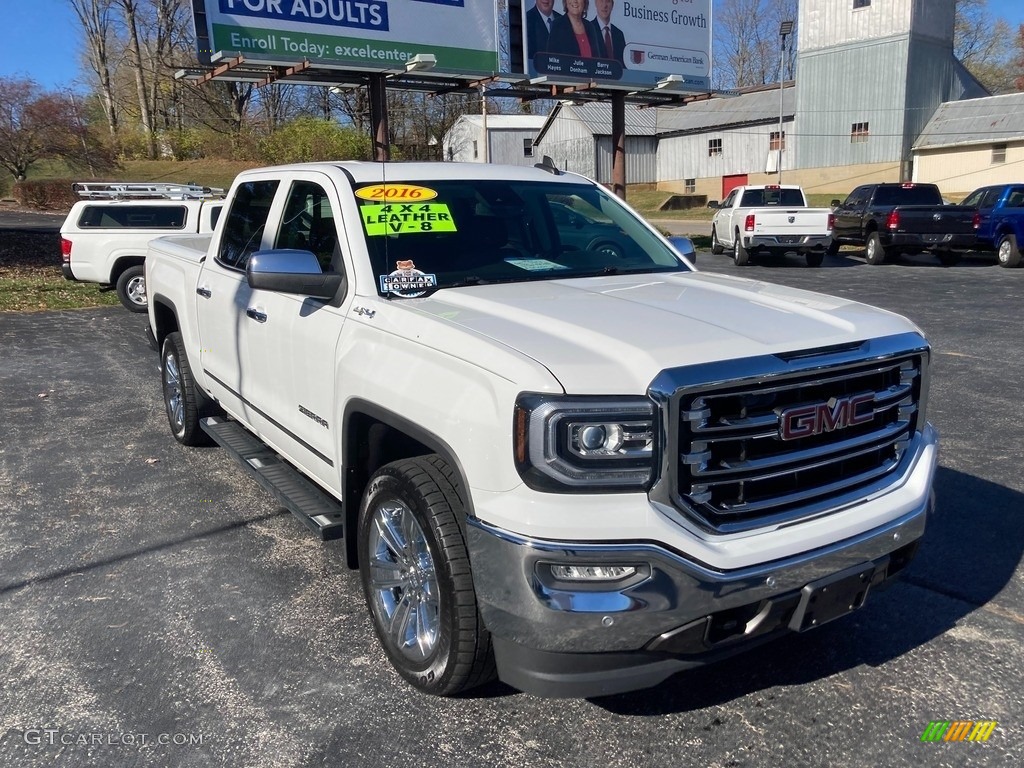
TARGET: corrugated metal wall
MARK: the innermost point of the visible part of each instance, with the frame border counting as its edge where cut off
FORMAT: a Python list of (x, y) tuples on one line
[(570, 144), (744, 150), (641, 160), (862, 83), (830, 23), (507, 146)]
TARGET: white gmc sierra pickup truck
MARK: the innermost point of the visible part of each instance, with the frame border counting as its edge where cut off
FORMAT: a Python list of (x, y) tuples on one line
[(770, 219), (581, 469)]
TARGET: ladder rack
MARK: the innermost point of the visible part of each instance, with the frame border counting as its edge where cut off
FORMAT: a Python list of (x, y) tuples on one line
[(141, 190)]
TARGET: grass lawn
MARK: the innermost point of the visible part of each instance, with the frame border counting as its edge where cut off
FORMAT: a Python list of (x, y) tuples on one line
[(35, 289)]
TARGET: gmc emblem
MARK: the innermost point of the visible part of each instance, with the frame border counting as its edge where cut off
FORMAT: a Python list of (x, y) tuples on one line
[(838, 413)]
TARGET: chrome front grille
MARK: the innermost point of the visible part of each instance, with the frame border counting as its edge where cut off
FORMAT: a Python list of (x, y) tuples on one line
[(787, 444)]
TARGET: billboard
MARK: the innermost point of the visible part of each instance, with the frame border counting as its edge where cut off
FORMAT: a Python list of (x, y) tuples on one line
[(361, 34), (633, 43)]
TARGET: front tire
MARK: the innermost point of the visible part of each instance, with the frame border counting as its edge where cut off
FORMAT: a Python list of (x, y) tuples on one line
[(131, 289), (716, 247), (416, 577), (874, 253), (740, 254), (184, 403), (1007, 251)]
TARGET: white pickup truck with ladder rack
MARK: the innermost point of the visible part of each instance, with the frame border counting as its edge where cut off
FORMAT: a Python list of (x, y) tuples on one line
[(105, 236)]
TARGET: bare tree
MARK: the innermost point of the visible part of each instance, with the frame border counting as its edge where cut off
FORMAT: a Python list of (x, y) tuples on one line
[(35, 125), (747, 44), (980, 42), (96, 19)]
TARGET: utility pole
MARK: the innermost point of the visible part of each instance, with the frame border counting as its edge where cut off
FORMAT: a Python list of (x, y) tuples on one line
[(785, 29)]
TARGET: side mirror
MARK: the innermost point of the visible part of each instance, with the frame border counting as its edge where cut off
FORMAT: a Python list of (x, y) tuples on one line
[(291, 271), (836, 202), (684, 247), (714, 204)]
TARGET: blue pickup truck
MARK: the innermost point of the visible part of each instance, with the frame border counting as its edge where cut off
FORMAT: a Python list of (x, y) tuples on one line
[(999, 220)]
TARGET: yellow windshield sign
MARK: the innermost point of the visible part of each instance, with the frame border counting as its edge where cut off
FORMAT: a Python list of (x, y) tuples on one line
[(397, 193), (406, 218)]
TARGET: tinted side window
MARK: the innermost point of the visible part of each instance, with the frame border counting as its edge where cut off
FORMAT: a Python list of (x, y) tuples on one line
[(308, 223), (247, 218), (918, 195), (859, 196), (1016, 198), (132, 217)]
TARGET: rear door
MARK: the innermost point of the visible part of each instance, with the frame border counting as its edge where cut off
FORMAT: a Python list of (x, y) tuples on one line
[(223, 294)]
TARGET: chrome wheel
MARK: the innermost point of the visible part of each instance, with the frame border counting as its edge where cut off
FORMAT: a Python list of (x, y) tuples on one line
[(136, 291), (173, 397), (403, 581)]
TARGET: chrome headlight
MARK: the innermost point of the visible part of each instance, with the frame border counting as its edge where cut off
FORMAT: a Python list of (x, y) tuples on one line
[(584, 444)]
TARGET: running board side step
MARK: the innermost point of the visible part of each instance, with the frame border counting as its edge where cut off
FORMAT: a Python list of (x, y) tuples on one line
[(321, 513)]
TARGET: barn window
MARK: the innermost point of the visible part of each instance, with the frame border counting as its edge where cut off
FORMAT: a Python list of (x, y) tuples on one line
[(476, 151), (998, 153), (859, 133), (527, 147), (773, 141), (714, 147), (861, 4), (689, 186)]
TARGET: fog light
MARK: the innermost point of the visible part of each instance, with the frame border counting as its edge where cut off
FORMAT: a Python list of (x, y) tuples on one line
[(592, 572)]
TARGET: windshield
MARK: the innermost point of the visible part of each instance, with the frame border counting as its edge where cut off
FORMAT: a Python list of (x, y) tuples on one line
[(432, 235)]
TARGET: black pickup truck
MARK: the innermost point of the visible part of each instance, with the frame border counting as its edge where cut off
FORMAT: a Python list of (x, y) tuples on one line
[(889, 219)]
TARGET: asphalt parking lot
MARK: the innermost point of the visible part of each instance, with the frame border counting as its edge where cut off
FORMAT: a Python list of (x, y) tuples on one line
[(158, 609)]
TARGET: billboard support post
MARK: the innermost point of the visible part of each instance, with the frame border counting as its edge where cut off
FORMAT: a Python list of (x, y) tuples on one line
[(377, 86), (619, 144)]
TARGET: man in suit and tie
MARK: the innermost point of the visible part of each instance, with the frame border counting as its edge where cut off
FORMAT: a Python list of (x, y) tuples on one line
[(538, 26), (613, 42)]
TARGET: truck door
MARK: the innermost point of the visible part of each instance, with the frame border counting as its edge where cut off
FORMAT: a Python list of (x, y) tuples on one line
[(292, 340), (848, 214), (222, 294), (725, 227)]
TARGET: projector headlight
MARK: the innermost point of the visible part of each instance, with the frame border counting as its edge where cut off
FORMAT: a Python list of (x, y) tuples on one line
[(584, 444)]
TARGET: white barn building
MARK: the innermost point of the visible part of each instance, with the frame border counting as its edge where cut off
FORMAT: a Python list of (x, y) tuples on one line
[(507, 139)]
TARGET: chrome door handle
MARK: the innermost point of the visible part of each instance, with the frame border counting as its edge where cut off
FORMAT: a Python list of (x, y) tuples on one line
[(255, 314), (204, 292)]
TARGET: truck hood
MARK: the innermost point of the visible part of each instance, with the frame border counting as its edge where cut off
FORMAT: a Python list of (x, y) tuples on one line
[(614, 334)]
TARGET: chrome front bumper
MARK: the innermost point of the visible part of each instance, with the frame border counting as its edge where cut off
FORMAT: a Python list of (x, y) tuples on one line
[(560, 638)]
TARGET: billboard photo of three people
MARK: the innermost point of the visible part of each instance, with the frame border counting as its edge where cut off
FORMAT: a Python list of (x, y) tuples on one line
[(619, 41)]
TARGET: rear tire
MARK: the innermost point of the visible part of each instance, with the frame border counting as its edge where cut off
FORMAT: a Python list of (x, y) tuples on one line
[(716, 247), (814, 258), (131, 289), (874, 253), (184, 403), (740, 254), (1007, 251), (416, 577)]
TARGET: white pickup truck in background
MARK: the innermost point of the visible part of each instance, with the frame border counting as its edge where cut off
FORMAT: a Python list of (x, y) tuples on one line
[(556, 452), (106, 234), (770, 219)]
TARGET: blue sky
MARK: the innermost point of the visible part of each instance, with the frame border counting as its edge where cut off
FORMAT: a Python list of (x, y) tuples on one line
[(40, 39)]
